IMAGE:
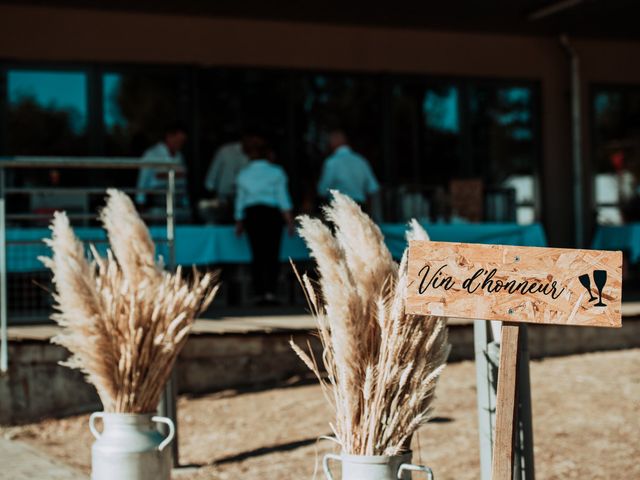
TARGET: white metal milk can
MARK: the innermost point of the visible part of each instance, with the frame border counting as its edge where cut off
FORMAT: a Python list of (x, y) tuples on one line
[(130, 447), (375, 467)]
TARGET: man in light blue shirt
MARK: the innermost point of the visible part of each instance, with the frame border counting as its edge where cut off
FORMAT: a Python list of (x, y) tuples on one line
[(262, 206), (346, 171), (168, 150)]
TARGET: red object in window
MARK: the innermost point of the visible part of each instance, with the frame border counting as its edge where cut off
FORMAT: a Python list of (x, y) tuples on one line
[(617, 160)]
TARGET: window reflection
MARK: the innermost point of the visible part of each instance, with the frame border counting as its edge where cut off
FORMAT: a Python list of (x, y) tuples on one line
[(234, 101), (440, 108), (424, 136), (405, 135), (616, 154), (471, 136), (504, 152), (347, 102), (426, 133), (136, 108), (502, 131), (47, 112), (441, 142), (324, 102)]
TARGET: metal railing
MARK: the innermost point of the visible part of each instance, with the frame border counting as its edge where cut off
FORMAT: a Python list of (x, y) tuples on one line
[(28, 286)]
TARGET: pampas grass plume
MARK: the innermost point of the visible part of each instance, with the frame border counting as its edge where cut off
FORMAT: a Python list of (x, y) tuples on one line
[(124, 319), (381, 364)]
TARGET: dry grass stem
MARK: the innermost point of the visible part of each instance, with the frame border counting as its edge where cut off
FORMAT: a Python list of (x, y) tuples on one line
[(381, 364), (124, 319)]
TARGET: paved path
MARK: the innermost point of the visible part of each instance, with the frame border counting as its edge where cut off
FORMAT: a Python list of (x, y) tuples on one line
[(20, 461)]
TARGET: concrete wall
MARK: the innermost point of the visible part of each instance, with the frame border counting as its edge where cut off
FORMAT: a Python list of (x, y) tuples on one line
[(37, 387), (74, 35), (216, 362)]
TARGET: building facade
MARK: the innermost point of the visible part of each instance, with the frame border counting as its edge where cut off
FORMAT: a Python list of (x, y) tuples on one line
[(425, 106)]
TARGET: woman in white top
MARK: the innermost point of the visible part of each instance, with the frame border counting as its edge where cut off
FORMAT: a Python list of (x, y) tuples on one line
[(262, 207)]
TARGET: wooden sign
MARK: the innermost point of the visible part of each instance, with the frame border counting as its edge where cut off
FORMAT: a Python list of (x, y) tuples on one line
[(515, 284)]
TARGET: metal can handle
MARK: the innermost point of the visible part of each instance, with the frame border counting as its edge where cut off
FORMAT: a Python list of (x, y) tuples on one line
[(325, 463), (415, 468), (172, 430), (92, 424)]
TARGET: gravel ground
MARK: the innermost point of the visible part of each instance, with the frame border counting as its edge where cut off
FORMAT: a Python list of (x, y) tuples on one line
[(586, 425)]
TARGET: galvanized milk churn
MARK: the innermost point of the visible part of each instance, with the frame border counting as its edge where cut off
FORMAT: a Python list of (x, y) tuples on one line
[(375, 467), (130, 447)]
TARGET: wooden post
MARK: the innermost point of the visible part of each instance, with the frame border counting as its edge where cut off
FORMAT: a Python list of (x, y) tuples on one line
[(506, 403)]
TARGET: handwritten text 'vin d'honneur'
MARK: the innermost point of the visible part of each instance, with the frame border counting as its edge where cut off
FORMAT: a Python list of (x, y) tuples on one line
[(483, 279)]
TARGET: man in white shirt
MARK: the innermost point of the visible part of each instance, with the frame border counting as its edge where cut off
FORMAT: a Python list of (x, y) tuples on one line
[(346, 171), (168, 150), (221, 177), (262, 205)]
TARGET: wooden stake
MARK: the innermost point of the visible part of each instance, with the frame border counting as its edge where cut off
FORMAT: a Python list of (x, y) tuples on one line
[(506, 403)]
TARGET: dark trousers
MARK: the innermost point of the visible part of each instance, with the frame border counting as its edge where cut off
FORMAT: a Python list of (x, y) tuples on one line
[(264, 229)]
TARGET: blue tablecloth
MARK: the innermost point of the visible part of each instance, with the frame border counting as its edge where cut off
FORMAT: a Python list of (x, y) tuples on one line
[(213, 244), (619, 237)]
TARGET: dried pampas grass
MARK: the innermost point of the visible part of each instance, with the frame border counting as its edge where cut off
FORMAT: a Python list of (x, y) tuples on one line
[(381, 364), (124, 318)]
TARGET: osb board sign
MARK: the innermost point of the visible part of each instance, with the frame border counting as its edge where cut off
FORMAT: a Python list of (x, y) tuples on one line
[(515, 284)]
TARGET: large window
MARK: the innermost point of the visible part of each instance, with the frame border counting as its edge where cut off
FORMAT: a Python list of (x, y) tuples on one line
[(501, 125), (426, 132), (462, 135), (441, 129), (47, 114), (454, 149), (136, 107), (616, 153), (234, 101), (504, 148), (325, 102)]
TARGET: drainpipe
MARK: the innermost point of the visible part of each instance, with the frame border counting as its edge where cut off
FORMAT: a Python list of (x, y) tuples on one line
[(576, 141)]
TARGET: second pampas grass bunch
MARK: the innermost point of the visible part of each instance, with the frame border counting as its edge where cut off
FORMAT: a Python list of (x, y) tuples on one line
[(381, 363), (123, 317)]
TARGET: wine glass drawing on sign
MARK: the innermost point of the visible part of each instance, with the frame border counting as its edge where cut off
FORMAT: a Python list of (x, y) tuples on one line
[(600, 279), (586, 283)]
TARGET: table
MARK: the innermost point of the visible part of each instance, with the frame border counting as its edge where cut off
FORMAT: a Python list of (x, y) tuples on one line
[(217, 244), (619, 237)]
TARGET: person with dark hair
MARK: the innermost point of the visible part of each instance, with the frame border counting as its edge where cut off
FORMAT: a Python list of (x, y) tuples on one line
[(262, 207), (346, 171), (227, 162), (167, 150)]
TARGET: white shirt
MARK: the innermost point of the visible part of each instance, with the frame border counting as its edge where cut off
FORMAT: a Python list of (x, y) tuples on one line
[(227, 162), (156, 179), (349, 173), (261, 183)]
